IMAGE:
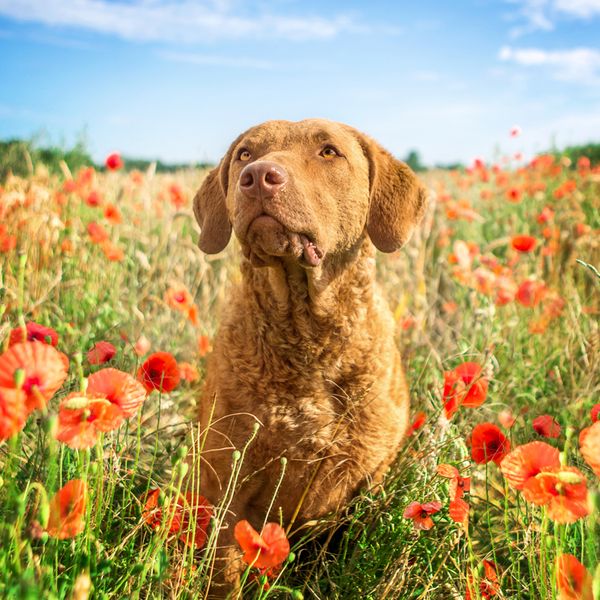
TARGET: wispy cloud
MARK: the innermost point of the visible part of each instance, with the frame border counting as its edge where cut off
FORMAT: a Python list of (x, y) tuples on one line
[(216, 61), (544, 14), (189, 21), (581, 65)]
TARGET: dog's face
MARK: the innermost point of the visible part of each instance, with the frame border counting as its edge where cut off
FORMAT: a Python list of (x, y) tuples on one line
[(301, 191)]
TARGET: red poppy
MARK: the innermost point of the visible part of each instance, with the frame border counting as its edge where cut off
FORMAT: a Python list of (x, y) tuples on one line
[(562, 490), (526, 461), (44, 367), (12, 412), (113, 161), (466, 386), (513, 195), (204, 346), (112, 251), (152, 513), (34, 332), (488, 584), (196, 514), (458, 511), (573, 580), (67, 510), (81, 418), (188, 372), (589, 445), (523, 243), (420, 514), (93, 199), (458, 485), (97, 233), (547, 426), (266, 550), (488, 443), (100, 353), (530, 293), (119, 388), (112, 214), (417, 423), (159, 372), (595, 413)]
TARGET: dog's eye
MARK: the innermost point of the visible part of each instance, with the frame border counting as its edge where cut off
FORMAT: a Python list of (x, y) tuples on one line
[(244, 155), (329, 152)]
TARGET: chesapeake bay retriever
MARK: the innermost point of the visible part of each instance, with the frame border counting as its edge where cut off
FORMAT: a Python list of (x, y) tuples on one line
[(306, 342)]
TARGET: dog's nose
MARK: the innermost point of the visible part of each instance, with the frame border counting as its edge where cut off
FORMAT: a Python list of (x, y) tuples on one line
[(262, 179)]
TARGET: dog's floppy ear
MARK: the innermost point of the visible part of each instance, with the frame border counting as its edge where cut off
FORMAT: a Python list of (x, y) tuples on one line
[(210, 207), (398, 199)]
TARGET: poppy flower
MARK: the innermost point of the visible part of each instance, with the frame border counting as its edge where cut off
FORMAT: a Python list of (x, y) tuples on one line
[(530, 293), (45, 370), (97, 233), (488, 443), (488, 584), (515, 131), (458, 485), (189, 508), (112, 214), (523, 243), (67, 510), (176, 196), (595, 413), (526, 461), (113, 161), (188, 372), (589, 446), (417, 423), (112, 251), (266, 550), (573, 580), (100, 353), (546, 426), (204, 346), (12, 412), (466, 386), (93, 199), (562, 490), (506, 418), (159, 372), (34, 332), (81, 418), (119, 388), (420, 514), (458, 511), (196, 514)]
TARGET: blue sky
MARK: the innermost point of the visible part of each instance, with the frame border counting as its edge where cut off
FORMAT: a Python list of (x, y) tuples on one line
[(179, 79)]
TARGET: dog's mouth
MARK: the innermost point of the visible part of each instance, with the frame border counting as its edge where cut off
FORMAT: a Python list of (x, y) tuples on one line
[(267, 238)]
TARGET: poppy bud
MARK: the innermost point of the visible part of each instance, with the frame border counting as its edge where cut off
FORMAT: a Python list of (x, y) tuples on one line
[(181, 470), (50, 424), (291, 557), (44, 512), (44, 537), (236, 456), (181, 452), (283, 461), (297, 595), (19, 378)]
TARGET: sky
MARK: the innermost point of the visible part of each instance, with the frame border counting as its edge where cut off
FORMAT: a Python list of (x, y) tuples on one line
[(179, 79)]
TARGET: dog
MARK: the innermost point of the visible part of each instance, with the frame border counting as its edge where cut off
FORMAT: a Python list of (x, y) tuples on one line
[(304, 365)]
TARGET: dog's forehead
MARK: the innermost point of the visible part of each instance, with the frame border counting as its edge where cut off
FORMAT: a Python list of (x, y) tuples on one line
[(283, 134)]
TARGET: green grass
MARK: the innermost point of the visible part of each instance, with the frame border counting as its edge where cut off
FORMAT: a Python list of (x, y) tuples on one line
[(370, 551)]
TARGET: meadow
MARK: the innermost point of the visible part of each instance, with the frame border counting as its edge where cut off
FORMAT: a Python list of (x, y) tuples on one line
[(107, 312)]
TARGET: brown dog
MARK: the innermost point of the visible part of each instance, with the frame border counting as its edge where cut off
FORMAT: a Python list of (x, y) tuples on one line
[(306, 347)]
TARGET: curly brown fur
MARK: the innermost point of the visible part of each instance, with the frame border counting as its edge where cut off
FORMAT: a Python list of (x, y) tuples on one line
[(306, 343)]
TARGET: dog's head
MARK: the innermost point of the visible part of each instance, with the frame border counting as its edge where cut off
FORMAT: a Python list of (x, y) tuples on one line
[(304, 190)]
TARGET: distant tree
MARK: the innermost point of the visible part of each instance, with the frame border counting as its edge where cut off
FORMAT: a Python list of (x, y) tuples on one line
[(413, 160), (574, 153)]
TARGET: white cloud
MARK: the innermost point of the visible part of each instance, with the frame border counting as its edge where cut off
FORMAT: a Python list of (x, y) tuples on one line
[(217, 61), (543, 14), (174, 21), (581, 65)]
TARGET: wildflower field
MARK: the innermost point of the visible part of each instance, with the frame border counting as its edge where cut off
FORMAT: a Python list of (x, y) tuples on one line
[(107, 311)]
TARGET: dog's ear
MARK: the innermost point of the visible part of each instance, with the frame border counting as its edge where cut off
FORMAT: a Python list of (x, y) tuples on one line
[(398, 199), (210, 206)]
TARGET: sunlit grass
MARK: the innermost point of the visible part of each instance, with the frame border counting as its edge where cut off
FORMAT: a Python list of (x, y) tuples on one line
[(55, 276)]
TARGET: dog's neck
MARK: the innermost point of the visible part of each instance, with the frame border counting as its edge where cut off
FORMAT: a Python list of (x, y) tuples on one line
[(315, 295)]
